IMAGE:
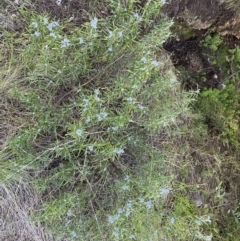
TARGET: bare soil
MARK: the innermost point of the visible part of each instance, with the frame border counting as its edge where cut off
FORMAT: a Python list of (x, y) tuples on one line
[(208, 12), (189, 55)]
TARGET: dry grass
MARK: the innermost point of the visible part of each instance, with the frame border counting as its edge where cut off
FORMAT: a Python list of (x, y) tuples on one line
[(17, 201)]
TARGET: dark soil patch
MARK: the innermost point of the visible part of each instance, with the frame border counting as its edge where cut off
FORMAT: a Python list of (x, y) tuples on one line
[(75, 11), (192, 60), (63, 95), (191, 57), (205, 10), (231, 41), (193, 21)]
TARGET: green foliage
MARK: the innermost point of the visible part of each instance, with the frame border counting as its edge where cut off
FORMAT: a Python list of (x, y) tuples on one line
[(212, 41), (221, 110), (105, 120), (98, 98), (221, 106), (234, 56)]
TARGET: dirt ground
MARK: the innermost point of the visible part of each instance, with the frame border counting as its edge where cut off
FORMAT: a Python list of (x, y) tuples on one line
[(74, 11), (206, 12)]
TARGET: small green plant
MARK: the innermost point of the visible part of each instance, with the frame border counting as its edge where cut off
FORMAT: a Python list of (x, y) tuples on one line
[(220, 107), (212, 41)]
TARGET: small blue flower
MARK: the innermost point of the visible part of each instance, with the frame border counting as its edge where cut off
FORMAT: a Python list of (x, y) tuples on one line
[(141, 200), (126, 178), (90, 148), (86, 102), (88, 120), (173, 80), (125, 187), (131, 236), (79, 132), (120, 210), (164, 123), (143, 59), (140, 107), (111, 219), (116, 232), (198, 222), (52, 25), (119, 151), (45, 21), (99, 117), (110, 34), (69, 213), (35, 24), (164, 191), (93, 23), (154, 63), (172, 119), (136, 15), (128, 212), (97, 92), (172, 220), (97, 98), (52, 34), (115, 128), (73, 233), (37, 34), (81, 41), (149, 204), (129, 204), (208, 238), (129, 99), (104, 114), (110, 48), (120, 34), (65, 43), (163, 1), (208, 219), (134, 86)]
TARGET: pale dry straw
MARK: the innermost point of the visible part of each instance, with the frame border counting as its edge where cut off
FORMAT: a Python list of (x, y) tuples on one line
[(16, 201)]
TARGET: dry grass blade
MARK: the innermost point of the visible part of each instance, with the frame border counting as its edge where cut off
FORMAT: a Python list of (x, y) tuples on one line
[(16, 202)]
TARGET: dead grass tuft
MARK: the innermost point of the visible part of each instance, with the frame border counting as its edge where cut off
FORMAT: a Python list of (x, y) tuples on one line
[(17, 201)]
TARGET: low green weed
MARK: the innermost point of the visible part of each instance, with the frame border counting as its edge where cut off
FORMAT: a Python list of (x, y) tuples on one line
[(212, 42), (221, 106), (221, 109)]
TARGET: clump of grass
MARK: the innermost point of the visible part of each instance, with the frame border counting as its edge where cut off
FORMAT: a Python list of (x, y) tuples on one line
[(16, 200), (103, 103)]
